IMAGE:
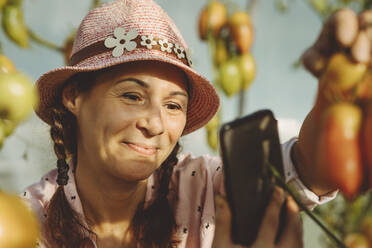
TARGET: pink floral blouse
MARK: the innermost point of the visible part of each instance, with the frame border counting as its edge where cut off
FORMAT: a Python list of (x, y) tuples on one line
[(196, 179)]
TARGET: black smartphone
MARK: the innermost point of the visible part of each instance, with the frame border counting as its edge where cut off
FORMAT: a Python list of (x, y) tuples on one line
[(245, 143)]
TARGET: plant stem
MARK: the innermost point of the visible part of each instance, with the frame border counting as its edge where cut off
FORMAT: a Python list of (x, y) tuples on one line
[(43, 42), (302, 206), (242, 99), (250, 7)]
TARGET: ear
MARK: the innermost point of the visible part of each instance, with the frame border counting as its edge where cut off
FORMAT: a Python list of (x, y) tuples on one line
[(71, 98)]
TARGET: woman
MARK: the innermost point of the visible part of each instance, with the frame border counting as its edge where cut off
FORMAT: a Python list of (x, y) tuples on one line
[(116, 115)]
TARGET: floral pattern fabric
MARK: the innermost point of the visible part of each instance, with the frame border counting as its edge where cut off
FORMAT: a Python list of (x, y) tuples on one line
[(194, 183)]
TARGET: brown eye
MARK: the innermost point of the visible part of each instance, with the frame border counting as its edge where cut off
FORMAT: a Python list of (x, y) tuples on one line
[(174, 106), (132, 97)]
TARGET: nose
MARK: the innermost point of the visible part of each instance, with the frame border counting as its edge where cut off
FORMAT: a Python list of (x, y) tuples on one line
[(152, 124)]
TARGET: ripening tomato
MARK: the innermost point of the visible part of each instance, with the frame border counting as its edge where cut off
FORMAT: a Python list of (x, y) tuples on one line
[(213, 17), (338, 152), (342, 73), (242, 32)]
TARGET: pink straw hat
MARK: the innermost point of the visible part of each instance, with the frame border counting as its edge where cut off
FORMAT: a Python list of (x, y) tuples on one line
[(125, 31)]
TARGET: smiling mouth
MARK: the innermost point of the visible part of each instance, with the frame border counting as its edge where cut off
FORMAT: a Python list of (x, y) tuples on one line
[(148, 151)]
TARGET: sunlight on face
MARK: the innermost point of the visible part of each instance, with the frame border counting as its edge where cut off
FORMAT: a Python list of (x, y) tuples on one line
[(131, 120)]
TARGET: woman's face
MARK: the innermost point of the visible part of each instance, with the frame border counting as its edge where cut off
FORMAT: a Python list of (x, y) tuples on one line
[(130, 121)]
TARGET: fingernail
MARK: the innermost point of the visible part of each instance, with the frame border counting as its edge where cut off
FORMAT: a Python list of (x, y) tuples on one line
[(219, 201), (278, 194), (292, 205)]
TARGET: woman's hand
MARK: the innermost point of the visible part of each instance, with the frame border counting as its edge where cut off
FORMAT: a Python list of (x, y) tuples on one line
[(290, 238), (346, 32)]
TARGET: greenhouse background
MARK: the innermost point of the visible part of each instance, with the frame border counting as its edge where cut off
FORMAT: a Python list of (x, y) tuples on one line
[(280, 39)]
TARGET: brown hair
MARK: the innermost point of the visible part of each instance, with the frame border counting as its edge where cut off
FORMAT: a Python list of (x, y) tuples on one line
[(151, 226)]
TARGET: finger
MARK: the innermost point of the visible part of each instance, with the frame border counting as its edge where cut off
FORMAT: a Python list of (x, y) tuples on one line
[(361, 49), (292, 236), (365, 19), (268, 229), (222, 236), (346, 27), (314, 61), (365, 23)]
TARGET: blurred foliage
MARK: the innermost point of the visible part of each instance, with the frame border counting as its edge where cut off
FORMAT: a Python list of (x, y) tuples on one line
[(324, 8)]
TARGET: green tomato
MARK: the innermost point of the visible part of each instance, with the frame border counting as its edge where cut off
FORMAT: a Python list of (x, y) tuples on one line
[(14, 26), (212, 136), (17, 97), (214, 122), (248, 69), (230, 77)]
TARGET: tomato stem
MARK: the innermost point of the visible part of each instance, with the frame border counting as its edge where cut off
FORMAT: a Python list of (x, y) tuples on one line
[(281, 182), (43, 42)]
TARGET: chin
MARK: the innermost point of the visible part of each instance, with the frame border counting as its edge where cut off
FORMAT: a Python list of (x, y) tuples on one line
[(134, 170)]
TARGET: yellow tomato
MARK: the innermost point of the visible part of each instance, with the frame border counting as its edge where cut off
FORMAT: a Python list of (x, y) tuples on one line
[(342, 73), (6, 65), (18, 225)]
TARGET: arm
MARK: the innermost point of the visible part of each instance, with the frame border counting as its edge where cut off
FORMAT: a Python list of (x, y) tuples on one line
[(292, 176)]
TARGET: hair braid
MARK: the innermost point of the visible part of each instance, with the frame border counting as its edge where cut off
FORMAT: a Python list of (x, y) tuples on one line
[(56, 132), (154, 225), (67, 230)]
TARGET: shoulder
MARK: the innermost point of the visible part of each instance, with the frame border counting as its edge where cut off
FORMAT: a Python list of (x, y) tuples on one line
[(208, 163), (198, 172), (39, 194)]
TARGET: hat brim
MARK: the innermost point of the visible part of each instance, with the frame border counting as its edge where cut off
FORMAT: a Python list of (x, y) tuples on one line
[(203, 103)]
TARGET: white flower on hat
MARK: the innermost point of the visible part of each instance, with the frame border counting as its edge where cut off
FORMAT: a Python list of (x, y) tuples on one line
[(179, 51), (165, 45), (189, 53), (148, 41), (122, 41)]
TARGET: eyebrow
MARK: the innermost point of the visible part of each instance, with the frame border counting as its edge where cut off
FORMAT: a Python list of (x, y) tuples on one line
[(145, 85)]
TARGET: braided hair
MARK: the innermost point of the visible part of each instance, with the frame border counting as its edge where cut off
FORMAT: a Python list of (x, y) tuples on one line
[(152, 226)]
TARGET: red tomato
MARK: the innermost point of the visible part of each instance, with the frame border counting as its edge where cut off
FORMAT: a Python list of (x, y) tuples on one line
[(338, 150)]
